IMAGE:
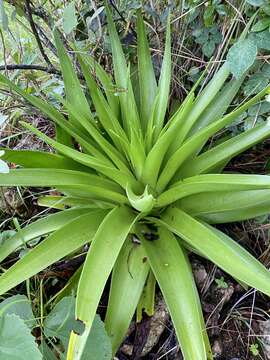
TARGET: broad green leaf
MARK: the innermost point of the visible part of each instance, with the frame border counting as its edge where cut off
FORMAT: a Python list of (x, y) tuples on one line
[(213, 183), (16, 340), (228, 206), (261, 25), (220, 154), (219, 248), (18, 305), (3, 15), (108, 240), (62, 202), (241, 56), (256, 2), (39, 228), (62, 242), (69, 18), (128, 279), (61, 320), (262, 39), (98, 345), (39, 159), (172, 270), (57, 177), (147, 79)]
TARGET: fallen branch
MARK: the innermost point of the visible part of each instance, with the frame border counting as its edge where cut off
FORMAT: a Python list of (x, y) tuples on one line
[(47, 69)]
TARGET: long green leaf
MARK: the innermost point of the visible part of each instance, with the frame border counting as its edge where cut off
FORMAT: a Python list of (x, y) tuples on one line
[(111, 172), (112, 153), (163, 85), (128, 279), (88, 183), (108, 240), (120, 69), (228, 206), (106, 82), (147, 301), (157, 153), (191, 146), (202, 102), (109, 122), (213, 182), (61, 243), (73, 89), (45, 107), (38, 228), (39, 159), (219, 248), (173, 273), (147, 79), (61, 202), (218, 106), (222, 153)]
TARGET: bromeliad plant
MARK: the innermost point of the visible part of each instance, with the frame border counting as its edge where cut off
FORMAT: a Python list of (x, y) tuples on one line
[(142, 189)]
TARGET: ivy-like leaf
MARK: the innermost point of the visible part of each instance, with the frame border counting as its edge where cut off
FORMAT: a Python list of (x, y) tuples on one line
[(69, 18), (18, 305), (256, 2), (61, 321), (241, 56), (261, 39), (16, 341)]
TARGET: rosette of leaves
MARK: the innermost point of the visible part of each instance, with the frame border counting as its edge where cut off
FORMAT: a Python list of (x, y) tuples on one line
[(142, 189)]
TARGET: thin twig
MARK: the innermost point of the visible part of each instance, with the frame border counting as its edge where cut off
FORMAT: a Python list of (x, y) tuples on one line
[(47, 69), (4, 50), (35, 32), (123, 19)]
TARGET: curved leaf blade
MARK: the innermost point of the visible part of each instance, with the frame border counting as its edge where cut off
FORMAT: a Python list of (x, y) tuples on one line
[(172, 270), (108, 240), (212, 183), (219, 248), (229, 206), (62, 242), (128, 279), (38, 228)]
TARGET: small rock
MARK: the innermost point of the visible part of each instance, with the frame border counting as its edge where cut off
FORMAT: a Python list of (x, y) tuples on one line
[(199, 273), (157, 326), (217, 348), (264, 327)]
